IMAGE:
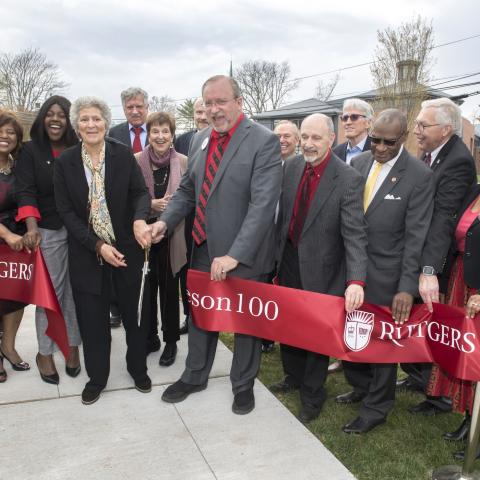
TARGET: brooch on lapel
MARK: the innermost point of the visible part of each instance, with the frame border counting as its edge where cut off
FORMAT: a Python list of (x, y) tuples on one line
[(394, 179), (204, 144)]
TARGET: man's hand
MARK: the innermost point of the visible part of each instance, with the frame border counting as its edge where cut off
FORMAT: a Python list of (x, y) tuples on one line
[(401, 306), (159, 229), (143, 233), (428, 288), (32, 239), (220, 267), (112, 256), (473, 305), (353, 297)]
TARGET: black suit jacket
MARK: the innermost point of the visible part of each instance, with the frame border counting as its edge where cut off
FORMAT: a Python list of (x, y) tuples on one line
[(121, 133), (34, 183), (183, 141), (127, 200), (341, 150), (333, 245), (471, 258), (454, 173)]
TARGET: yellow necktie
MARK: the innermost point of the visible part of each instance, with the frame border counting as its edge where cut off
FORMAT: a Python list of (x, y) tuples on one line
[(370, 185)]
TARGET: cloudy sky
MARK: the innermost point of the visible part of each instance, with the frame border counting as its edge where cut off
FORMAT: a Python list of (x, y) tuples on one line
[(171, 47)]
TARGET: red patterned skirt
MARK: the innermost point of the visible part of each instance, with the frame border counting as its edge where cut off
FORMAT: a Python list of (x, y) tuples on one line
[(441, 383)]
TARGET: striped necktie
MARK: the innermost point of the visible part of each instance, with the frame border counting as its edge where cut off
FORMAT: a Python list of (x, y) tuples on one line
[(199, 224)]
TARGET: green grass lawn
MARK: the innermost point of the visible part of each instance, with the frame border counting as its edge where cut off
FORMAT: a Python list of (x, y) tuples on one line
[(407, 447)]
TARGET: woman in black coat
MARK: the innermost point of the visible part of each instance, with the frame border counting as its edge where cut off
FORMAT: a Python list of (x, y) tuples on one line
[(102, 199)]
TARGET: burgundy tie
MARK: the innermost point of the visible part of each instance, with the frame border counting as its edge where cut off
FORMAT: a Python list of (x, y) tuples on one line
[(428, 159), (303, 206), (199, 224), (137, 144)]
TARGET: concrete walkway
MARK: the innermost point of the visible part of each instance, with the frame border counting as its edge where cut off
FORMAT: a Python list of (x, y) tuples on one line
[(47, 434)]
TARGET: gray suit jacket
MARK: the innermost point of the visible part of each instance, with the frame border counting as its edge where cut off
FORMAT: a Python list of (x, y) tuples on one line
[(332, 247), (398, 219), (241, 205), (121, 133)]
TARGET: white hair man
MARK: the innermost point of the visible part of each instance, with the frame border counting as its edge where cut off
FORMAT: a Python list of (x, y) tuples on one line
[(437, 129), (357, 118)]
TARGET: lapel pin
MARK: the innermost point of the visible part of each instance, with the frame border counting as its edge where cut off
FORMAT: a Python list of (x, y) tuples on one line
[(204, 144), (394, 179)]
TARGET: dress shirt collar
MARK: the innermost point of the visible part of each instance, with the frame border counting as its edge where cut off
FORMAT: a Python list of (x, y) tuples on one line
[(435, 152), (131, 128), (216, 135), (358, 147)]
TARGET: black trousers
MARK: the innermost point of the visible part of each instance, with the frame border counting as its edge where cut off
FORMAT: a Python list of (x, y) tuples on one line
[(189, 219), (93, 320), (163, 283), (302, 368), (376, 382)]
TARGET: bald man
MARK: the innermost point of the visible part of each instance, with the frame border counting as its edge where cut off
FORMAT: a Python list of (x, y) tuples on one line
[(323, 243)]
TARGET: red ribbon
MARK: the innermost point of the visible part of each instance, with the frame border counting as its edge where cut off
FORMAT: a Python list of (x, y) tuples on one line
[(319, 323), (24, 277)]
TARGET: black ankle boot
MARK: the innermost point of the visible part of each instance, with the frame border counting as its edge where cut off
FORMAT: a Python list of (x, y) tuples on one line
[(461, 433)]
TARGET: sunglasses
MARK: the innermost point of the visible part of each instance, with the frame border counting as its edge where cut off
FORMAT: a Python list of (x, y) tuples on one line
[(353, 117), (385, 141)]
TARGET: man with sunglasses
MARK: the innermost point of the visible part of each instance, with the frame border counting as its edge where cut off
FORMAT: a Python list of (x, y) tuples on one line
[(356, 119), (438, 128), (398, 205)]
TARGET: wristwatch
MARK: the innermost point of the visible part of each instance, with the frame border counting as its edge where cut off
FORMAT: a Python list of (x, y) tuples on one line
[(428, 270)]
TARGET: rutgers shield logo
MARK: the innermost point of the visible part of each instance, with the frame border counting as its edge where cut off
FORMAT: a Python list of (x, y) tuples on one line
[(358, 329)]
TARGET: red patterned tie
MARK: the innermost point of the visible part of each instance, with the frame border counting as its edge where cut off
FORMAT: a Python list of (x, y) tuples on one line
[(428, 159), (303, 206), (213, 162), (137, 144)]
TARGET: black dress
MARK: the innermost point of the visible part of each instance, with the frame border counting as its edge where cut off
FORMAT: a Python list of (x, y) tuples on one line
[(162, 281), (8, 210)]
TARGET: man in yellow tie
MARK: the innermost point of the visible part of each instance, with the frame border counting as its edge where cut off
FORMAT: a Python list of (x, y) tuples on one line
[(398, 204)]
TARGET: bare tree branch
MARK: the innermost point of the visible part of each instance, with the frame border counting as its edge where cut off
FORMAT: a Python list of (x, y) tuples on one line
[(402, 65), (27, 79), (162, 104), (265, 85), (325, 89)]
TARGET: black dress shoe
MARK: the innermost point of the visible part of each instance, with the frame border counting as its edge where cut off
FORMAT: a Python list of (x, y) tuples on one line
[(308, 413), (179, 391), (426, 408), (349, 398), (362, 425), (115, 321), (153, 344), (168, 355), (144, 384), (407, 385), (283, 387), (243, 402), (183, 328), (53, 378), (73, 371), (460, 455), (460, 434), (90, 395)]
